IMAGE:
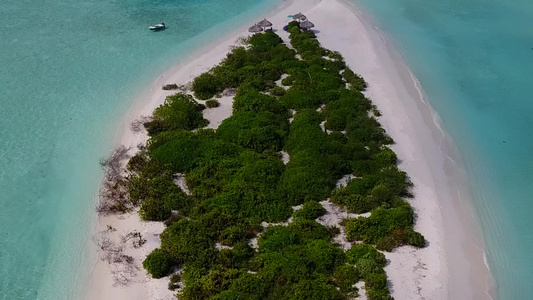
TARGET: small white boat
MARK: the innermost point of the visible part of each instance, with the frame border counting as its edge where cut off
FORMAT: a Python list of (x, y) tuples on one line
[(159, 26)]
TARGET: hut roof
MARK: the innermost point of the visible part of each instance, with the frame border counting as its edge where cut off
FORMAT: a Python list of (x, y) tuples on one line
[(264, 23), (255, 28), (306, 24), (299, 16)]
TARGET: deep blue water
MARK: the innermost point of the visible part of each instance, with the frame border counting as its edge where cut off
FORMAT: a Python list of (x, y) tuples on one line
[(69, 70), (474, 60)]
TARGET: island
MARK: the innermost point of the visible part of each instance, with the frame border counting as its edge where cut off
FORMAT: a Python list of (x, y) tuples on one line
[(296, 195)]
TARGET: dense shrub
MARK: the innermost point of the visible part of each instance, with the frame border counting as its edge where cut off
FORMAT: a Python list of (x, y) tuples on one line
[(206, 86), (362, 251), (158, 263), (386, 228), (214, 282), (276, 238), (161, 209), (212, 103), (179, 111), (317, 289), (251, 100), (277, 91), (309, 229), (137, 162), (174, 282), (258, 131), (376, 294), (310, 210), (356, 82), (306, 178), (157, 195), (187, 243), (237, 179), (345, 277), (154, 210), (354, 202)]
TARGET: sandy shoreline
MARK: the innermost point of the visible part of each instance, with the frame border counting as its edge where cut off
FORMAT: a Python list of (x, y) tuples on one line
[(451, 267)]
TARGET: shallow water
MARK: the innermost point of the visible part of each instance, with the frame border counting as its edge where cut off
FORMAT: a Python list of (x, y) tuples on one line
[(474, 60), (69, 71)]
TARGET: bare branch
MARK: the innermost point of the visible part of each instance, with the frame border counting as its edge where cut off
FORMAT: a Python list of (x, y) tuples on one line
[(114, 193), (138, 124)]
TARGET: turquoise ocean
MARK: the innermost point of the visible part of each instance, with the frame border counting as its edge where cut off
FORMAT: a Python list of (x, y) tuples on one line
[(70, 70), (474, 60)]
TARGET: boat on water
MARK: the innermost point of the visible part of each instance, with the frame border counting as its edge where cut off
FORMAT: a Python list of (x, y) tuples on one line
[(157, 27)]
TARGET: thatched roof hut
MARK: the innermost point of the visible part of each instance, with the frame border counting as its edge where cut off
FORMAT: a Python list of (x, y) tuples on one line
[(299, 17), (307, 25), (256, 28), (265, 23)]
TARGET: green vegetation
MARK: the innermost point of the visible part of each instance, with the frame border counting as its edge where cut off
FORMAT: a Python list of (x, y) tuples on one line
[(277, 91), (206, 86), (212, 103), (237, 180), (174, 282), (310, 210), (179, 112), (386, 228), (158, 263)]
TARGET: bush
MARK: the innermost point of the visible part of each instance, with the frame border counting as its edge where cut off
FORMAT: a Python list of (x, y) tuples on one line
[(375, 294), (277, 91), (257, 131), (212, 103), (364, 251), (345, 277), (276, 238), (170, 86), (251, 100), (179, 111), (154, 210), (367, 266), (317, 289), (237, 179), (232, 234), (187, 242), (158, 263), (174, 282), (416, 239), (386, 157), (355, 203), (309, 229), (357, 82), (310, 210), (289, 80), (386, 228), (206, 86), (137, 162)]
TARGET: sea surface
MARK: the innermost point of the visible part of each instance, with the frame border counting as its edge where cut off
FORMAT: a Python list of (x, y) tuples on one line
[(474, 60), (69, 72)]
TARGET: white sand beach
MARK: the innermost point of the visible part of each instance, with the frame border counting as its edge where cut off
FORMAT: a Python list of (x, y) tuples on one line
[(450, 267)]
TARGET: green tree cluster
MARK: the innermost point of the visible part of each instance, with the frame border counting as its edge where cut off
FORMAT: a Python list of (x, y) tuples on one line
[(179, 111), (158, 263), (386, 228), (310, 210), (237, 179)]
